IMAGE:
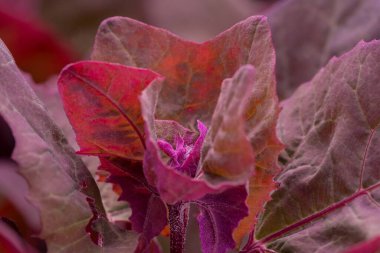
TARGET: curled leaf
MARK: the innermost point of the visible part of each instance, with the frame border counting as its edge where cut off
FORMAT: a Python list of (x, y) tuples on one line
[(227, 151), (172, 185)]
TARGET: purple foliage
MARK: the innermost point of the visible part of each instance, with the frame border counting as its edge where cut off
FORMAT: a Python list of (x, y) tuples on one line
[(176, 124)]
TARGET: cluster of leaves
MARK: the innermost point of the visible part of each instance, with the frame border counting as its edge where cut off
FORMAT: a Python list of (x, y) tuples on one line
[(176, 124), (156, 131)]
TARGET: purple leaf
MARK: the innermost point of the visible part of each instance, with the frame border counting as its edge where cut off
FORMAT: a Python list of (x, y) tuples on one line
[(172, 185), (9, 178), (330, 187), (46, 159), (149, 214), (219, 216), (189, 93), (154, 247), (187, 152), (243, 130)]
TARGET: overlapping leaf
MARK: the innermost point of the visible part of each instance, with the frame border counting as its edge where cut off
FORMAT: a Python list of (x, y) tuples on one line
[(47, 160), (149, 214), (227, 152), (101, 102), (172, 185), (216, 202), (193, 72), (49, 95), (219, 216), (329, 194), (193, 77), (9, 177)]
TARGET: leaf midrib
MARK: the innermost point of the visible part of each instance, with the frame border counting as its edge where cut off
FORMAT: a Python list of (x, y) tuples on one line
[(113, 102), (361, 191)]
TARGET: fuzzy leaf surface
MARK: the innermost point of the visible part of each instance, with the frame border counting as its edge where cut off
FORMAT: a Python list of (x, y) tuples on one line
[(9, 177), (172, 185), (193, 72), (193, 76), (330, 187), (227, 150), (216, 202), (219, 216), (101, 102), (69, 200)]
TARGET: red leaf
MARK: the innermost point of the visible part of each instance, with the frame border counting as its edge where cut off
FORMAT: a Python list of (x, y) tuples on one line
[(101, 102), (193, 72)]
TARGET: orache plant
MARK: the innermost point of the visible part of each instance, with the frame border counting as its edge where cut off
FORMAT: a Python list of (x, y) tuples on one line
[(180, 134), (176, 124)]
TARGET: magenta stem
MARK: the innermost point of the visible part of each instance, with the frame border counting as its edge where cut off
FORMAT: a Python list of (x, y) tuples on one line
[(178, 219)]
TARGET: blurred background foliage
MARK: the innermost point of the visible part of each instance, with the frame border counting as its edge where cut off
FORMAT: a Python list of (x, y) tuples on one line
[(46, 35)]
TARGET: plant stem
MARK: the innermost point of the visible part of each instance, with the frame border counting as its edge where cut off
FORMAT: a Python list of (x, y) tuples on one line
[(178, 218)]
